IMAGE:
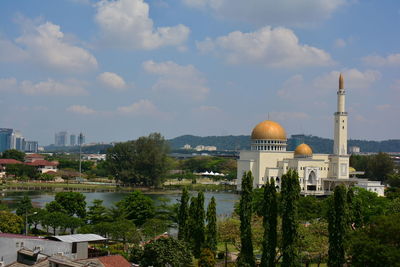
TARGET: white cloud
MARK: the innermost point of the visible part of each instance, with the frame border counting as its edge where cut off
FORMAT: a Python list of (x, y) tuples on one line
[(143, 107), (379, 61), (126, 24), (112, 81), (52, 87), (272, 47), (353, 79), (78, 109), (9, 52), (46, 45), (186, 81), (8, 84), (271, 12)]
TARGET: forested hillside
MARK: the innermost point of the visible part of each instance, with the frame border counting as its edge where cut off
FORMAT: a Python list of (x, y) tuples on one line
[(319, 145)]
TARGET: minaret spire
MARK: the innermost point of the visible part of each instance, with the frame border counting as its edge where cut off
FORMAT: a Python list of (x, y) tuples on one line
[(341, 81)]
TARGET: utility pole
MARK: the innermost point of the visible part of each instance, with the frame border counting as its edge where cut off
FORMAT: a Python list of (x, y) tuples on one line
[(80, 156)]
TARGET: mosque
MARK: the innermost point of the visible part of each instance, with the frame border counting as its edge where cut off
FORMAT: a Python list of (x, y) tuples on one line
[(318, 173)]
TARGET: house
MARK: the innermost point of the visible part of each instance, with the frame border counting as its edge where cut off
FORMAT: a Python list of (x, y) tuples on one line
[(62, 261), (73, 247), (44, 166), (39, 162), (4, 163), (33, 157)]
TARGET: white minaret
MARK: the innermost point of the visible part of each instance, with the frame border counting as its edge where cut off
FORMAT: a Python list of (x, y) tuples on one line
[(340, 159), (340, 135)]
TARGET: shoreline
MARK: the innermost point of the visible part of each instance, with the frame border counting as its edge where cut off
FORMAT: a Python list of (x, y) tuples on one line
[(166, 189)]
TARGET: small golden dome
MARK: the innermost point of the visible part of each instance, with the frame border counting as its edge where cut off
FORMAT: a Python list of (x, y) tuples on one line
[(351, 169), (303, 150), (268, 130)]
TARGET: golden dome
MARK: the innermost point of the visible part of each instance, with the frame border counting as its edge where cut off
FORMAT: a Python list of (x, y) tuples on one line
[(268, 130), (303, 150), (351, 169)]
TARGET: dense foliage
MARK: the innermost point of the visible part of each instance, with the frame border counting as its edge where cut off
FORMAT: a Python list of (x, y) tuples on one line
[(270, 221), (377, 167), (318, 144), (290, 194), (13, 154), (246, 255), (166, 252), (142, 162)]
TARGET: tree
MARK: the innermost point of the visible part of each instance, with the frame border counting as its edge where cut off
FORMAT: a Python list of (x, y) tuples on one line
[(166, 251), (211, 228), (72, 223), (137, 207), (24, 206), (97, 212), (125, 231), (13, 154), (376, 244), (337, 227), (192, 222), (290, 194), (143, 161), (10, 223), (246, 255), (270, 222), (183, 215), (199, 234), (207, 258), (55, 220), (72, 202), (153, 227)]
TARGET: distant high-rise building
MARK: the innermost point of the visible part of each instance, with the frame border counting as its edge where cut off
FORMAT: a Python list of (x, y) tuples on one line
[(5, 138), (72, 140), (61, 138), (12, 139), (31, 146), (81, 139)]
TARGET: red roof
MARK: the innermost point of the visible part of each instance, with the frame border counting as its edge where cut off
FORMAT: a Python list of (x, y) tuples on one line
[(9, 161), (114, 261), (42, 163)]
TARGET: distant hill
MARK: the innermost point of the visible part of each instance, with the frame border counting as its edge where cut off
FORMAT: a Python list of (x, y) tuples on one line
[(318, 144)]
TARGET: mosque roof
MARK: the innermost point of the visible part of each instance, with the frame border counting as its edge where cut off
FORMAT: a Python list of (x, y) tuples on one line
[(303, 150), (268, 130)]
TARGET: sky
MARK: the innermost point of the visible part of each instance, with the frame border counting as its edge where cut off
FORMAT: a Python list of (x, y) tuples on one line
[(120, 69)]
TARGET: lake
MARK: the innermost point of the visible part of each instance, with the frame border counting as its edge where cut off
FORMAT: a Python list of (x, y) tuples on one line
[(225, 201)]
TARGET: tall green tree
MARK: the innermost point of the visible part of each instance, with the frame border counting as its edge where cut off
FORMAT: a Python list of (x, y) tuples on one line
[(290, 195), (13, 154), (199, 234), (97, 212), (183, 216), (137, 207), (211, 228), (192, 222), (24, 206), (143, 161), (270, 208), (72, 202), (246, 255), (337, 225)]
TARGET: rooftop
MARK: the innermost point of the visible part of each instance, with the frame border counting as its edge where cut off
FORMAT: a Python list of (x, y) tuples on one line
[(79, 238)]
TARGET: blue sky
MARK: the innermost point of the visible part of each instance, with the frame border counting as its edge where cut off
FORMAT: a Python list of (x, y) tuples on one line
[(120, 69)]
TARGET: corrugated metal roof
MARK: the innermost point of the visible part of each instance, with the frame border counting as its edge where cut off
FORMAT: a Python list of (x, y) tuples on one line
[(79, 238)]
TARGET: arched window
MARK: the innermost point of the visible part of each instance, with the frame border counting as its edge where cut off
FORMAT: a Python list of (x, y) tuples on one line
[(312, 178)]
